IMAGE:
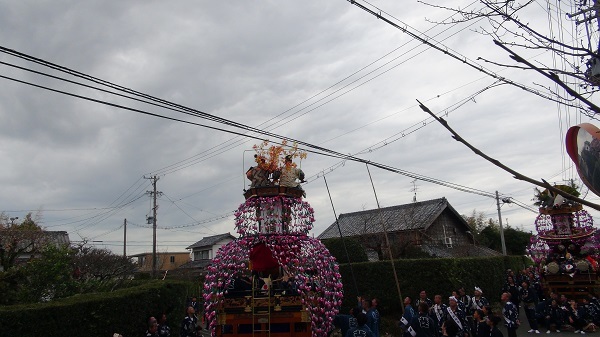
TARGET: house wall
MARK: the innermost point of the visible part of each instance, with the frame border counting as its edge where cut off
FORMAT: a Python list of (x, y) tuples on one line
[(218, 245), (447, 226), (165, 261), (212, 250)]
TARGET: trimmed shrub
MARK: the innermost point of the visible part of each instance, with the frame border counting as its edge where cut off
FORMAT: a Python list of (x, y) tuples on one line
[(436, 276), (346, 248), (125, 311)]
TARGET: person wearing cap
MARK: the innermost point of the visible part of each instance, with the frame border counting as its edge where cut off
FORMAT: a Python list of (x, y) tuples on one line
[(478, 301), (438, 312), (511, 318), (458, 316), (461, 305)]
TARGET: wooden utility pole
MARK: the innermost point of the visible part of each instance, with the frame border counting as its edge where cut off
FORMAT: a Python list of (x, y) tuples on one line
[(500, 222), (154, 194), (125, 238), (387, 240)]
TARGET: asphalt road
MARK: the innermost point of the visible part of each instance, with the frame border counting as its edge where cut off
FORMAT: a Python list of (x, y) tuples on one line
[(522, 331)]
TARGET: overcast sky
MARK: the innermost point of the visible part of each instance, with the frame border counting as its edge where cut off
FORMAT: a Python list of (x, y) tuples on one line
[(323, 72)]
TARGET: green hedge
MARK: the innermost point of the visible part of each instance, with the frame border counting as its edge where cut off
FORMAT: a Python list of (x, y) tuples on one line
[(342, 249), (126, 310), (98, 314), (436, 276)]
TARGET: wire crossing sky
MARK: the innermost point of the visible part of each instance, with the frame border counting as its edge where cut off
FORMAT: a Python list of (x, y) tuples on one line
[(328, 75)]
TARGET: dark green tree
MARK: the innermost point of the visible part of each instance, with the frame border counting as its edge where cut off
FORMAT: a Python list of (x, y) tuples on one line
[(477, 221), (356, 252), (487, 233), (58, 271), (516, 241), (50, 276), (490, 237), (19, 240), (486, 230)]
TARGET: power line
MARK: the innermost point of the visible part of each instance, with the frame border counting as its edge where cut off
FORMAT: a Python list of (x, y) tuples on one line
[(433, 43), (317, 149)]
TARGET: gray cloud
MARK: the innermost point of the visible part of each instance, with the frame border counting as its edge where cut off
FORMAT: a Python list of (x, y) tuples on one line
[(250, 62)]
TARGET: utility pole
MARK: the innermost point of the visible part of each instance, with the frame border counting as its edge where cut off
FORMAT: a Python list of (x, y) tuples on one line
[(154, 194), (500, 222), (125, 238), (387, 240)]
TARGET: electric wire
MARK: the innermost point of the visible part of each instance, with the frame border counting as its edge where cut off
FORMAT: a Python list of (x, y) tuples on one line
[(70, 71), (112, 85), (405, 28), (463, 188), (310, 148), (184, 212)]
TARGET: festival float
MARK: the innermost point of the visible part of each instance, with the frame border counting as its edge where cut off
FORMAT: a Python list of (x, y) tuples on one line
[(566, 245), (273, 280)]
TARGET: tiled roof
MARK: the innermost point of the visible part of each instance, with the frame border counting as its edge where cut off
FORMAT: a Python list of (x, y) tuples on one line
[(211, 240), (202, 264), (458, 251), (57, 237), (417, 215)]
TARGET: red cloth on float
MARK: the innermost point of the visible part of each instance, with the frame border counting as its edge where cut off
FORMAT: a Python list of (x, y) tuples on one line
[(592, 262), (261, 258)]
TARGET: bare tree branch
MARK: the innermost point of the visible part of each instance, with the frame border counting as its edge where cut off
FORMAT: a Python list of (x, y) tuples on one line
[(543, 183), (551, 76)]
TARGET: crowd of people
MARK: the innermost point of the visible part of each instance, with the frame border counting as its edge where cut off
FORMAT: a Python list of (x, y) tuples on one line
[(461, 314), (470, 315), (552, 312)]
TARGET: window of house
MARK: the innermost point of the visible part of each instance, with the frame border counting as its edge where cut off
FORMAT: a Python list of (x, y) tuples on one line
[(172, 259), (202, 255)]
